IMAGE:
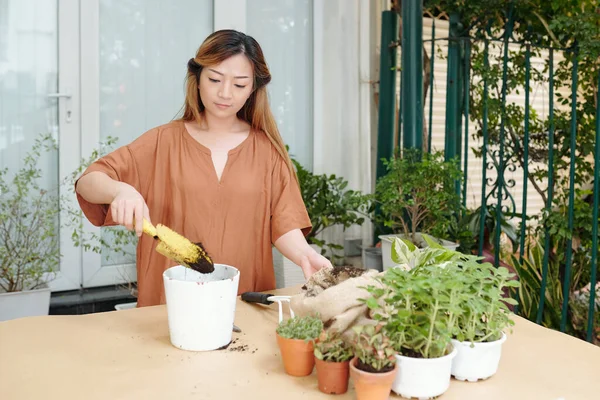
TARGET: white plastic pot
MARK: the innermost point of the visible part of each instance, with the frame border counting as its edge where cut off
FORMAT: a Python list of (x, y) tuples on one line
[(423, 378), (476, 362), (26, 303), (386, 248), (201, 307)]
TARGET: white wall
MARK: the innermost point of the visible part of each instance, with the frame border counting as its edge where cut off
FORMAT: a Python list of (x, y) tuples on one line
[(343, 95)]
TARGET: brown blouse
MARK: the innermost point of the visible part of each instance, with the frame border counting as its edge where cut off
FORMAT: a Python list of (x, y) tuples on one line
[(236, 219)]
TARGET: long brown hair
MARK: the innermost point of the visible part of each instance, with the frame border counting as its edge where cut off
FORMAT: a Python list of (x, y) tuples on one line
[(218, 47)]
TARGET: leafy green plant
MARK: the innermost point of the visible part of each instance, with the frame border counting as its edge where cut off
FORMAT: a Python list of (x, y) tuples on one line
[(485, 314), (29, 234), (111, 241), (330, 203), (419, 308), (530, 272), (405, 253), (417, 194), (305, 328), (441, 294), (473, 221), (373, 348), (332, 347)]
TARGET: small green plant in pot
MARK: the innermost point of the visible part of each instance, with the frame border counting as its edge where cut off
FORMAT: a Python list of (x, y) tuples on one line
[(419, 309), (29, 235), (373, 368), (485, 315), (332, 358), (295, 338), (417, 196), (330, 203)]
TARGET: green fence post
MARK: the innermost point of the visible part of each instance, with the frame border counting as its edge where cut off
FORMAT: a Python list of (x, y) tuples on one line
[(412, 74), (483, 211), (550, 198), (454, 87), (466, 98), (387, 90), (570, 222), (526, 153), (501, 161), (594, 261), (431, 77), (387, 97)]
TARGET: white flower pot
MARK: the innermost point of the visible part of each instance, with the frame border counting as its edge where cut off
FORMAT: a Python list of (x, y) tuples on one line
[(386, 248), (125, 306), (201, 307), (423, 378), (477, 362), (26, 303)]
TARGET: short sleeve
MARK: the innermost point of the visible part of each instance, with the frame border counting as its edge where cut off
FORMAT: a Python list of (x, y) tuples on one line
[(288, 211), (119, 165)]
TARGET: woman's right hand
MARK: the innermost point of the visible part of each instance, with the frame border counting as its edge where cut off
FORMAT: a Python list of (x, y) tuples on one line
[(129, 208)]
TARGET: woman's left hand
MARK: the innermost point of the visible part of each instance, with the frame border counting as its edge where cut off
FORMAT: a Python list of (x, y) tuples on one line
[(312, 262)]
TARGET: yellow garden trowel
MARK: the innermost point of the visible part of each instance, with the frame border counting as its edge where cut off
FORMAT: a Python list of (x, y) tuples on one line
[(179, 249)]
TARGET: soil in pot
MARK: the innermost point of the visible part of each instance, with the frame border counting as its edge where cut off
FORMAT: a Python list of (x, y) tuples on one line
[(332, 376), (369, 385), (297, 355)]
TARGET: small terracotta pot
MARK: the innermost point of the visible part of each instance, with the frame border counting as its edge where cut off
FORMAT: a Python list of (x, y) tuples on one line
[(372, 386), (297, 355), (332, 376)]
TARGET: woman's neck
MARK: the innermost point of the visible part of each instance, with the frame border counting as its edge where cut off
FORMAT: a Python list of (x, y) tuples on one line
[(219, 125)]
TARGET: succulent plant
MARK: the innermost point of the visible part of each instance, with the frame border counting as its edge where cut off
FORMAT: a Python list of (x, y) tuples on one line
[(332, 347), (305, 328)]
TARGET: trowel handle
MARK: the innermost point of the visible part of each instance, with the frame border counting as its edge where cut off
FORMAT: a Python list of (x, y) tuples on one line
[(256, 297)]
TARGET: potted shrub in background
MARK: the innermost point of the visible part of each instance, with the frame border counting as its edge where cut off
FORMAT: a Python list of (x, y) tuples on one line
[(295, 338), (329, 203), (332, 359), (417, 196), (373, 368), (484, 317), (419, 309), (29, 236)]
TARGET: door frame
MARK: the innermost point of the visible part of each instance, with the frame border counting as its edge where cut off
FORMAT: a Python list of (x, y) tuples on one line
[(70, 272)]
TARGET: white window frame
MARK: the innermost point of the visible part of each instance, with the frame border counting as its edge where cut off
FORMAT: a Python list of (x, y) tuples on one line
[(69, 274)]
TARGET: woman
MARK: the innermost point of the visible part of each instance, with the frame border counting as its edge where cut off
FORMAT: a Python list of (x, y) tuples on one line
[(219, 175)]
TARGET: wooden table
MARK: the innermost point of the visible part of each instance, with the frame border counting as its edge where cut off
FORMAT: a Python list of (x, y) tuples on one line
[(128, 355)]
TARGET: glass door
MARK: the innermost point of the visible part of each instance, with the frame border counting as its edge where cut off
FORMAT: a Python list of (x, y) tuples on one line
[(38, 96)]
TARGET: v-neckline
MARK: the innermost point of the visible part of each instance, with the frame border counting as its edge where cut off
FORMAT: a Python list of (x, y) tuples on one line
[(208, 151)]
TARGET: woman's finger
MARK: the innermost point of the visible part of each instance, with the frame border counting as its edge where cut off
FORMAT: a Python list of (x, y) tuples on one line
[(139, 216), (129, 208)]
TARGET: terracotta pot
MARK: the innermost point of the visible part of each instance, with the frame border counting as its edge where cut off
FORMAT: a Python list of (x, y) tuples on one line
[(297, 355), (332, 376), (372, 386)]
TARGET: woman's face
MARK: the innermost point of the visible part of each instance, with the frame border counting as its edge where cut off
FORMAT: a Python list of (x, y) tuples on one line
[(225, 87)]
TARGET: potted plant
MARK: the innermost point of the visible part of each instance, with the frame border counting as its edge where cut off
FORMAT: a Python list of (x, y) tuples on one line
[(374, 366), (484, 317), (295, 338), (29, 250), (332, 359), (419, 308), (417, 196), (329, 203)]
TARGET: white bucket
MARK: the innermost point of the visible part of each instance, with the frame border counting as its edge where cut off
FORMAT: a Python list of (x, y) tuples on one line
[(423, 378), (477, 362), (201, 307)]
